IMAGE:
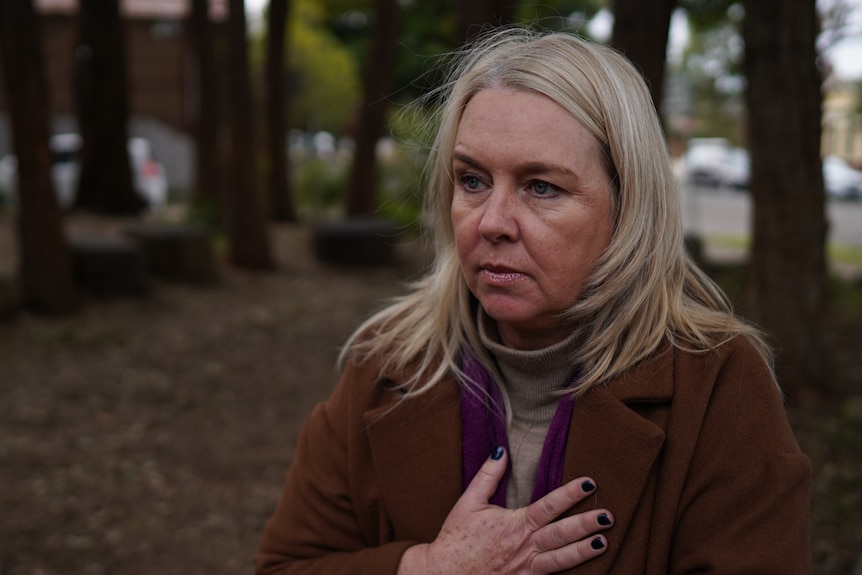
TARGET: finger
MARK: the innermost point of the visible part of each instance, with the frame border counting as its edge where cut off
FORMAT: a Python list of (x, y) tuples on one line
[(555, 503), (571, 529), (571, 555), (483, 486)]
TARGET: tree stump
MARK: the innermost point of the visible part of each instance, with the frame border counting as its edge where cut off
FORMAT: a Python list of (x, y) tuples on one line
[(360, 242), (177, 252), (106, 266)]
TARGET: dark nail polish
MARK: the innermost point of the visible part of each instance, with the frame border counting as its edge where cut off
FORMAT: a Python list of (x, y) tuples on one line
[(597, 544), (604, 520), (588, 486), (498, 453)]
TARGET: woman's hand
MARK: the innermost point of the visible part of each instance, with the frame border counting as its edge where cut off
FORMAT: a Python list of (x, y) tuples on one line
[(478, 537)]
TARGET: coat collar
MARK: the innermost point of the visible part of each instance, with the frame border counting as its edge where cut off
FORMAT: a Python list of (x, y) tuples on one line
[(412, 447), (420, 480)]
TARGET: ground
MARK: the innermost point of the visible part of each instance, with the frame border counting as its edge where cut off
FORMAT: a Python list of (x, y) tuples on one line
[(152, 435)]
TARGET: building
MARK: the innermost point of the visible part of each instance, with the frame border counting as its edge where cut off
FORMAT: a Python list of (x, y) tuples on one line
[(842, 121), (161, 73)]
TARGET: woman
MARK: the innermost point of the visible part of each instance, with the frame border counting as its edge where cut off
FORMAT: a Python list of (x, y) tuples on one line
[(565, 388)]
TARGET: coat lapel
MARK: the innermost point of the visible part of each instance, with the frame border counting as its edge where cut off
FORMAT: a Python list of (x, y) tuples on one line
[(416, 451), (412, 448), (617, 447)]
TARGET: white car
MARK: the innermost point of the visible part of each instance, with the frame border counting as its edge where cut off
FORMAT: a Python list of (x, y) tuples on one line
[(149, 175), (714, 163), (840, 180)]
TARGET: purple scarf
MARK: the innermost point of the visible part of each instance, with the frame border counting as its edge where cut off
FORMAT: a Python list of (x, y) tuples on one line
[(484, 428)]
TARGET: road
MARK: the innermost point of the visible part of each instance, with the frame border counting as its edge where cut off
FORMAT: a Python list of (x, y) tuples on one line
[(712, 212)]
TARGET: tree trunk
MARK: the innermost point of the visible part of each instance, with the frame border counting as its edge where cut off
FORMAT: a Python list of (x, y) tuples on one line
[(378, 81), (44, 267), (785, 289), (249, 240), (106, 184), (641, 32), (280, 196), (473, 15), (207, 197)]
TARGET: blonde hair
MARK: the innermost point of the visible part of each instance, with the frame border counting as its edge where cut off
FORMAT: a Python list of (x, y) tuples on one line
[(643, 290)]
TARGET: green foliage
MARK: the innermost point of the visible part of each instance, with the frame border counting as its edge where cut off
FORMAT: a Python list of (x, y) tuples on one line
[(327, 86), (427, 33), (319, 185), (712, 64), (707, 14), (328, 42), (400, 189), (205, 212), (846, 295)]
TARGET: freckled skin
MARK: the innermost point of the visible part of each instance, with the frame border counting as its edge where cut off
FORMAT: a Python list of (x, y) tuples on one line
[(478, 538), (531, 211)]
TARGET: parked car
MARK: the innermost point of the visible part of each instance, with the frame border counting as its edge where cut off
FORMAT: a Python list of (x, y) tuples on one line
[(841, 181), (149, 175), (714, 163)]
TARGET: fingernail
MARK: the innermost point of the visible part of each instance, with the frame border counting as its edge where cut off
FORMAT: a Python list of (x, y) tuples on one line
[(588, 486), (604, 520), (498, 453), (597, 543)]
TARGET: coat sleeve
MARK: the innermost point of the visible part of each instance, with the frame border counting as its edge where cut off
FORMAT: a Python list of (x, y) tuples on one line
[(746, 501), (322, 524)]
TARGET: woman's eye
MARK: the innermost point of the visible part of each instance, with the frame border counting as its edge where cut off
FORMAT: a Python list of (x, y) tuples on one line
[(471, 183), (541, 188)]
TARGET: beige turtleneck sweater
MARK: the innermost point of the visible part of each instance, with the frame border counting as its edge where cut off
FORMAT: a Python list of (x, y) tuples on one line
[(530, 379)]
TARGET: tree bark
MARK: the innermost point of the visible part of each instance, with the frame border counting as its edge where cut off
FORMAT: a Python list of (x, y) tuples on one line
[(249, 240), (106, 184), (208, 179), (640, 32), (786, 288), (44, 267), (280, 194), (380, 66)]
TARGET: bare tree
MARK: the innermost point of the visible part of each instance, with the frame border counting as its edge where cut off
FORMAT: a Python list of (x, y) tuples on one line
[(44, 267), (208, 180), (246, 223), (785, 290), (280, 193), (378, 81), (641, 32), (106, 184)]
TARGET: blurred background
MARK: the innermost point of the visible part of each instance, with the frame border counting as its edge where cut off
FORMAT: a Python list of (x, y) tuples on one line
[(200, 199)]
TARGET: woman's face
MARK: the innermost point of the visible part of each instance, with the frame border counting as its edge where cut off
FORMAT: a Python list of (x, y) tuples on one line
[(531, 211)]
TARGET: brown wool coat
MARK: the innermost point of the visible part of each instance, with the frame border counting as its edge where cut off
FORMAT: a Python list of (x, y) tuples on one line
[(693, 454)]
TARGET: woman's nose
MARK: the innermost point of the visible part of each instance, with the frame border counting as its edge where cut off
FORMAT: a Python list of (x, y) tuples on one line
[(499, 221)]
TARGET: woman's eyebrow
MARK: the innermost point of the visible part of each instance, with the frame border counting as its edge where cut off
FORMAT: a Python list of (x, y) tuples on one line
[(465, 159), (545, 167), (528, 167)]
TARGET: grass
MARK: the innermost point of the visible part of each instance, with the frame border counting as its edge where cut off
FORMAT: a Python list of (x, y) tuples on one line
[(838, 253)]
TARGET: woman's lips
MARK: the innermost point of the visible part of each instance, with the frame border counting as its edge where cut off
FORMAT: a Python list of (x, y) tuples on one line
[(500, 276)]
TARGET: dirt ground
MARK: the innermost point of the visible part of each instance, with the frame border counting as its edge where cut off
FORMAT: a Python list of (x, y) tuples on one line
[(152, 435)]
